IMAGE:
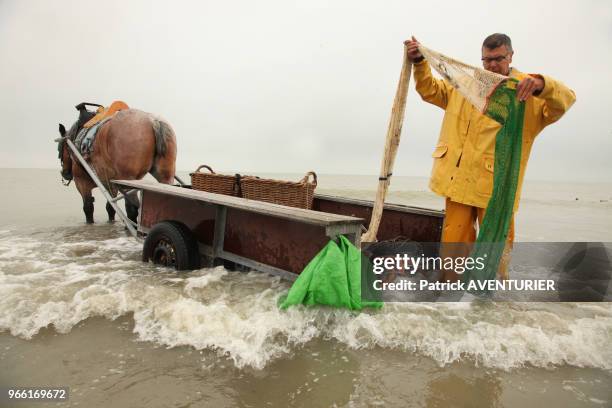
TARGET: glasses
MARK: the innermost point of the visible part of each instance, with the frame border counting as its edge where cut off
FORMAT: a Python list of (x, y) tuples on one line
[(488, 60)]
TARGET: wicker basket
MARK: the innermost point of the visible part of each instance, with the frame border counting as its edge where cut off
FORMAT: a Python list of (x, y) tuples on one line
[(215, 183), (293, 194)]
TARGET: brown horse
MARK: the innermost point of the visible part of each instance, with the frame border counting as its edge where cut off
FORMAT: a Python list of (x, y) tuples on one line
[(128, 146)]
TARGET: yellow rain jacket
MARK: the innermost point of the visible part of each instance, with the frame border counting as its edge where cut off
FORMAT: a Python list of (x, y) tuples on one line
[(464, 155)]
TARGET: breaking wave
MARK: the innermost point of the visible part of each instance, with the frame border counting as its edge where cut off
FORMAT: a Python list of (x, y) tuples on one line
[(62, 277)]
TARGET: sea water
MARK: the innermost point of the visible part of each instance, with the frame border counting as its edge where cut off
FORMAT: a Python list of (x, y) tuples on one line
[(79, 309)]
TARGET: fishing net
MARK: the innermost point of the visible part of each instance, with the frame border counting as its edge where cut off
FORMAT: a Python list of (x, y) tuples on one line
[(475, 84), (495, 96), (332, 278)]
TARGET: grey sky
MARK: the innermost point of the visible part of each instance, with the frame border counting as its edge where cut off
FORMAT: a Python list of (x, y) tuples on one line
[(282, 86)]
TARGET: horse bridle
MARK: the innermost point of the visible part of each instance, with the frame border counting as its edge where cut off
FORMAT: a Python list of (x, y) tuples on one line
[(60, 149), (82, 108)]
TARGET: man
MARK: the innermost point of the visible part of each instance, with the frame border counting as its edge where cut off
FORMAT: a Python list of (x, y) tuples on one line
[(464, 156)]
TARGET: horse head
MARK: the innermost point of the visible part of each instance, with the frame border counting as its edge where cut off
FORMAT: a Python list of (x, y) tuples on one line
[(64, 154), (62, 147)]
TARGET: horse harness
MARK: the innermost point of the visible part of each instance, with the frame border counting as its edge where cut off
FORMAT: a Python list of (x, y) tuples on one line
[(85, 115), (85, 138)]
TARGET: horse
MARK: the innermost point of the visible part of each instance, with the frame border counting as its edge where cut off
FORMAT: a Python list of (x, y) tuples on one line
[(129, 145)]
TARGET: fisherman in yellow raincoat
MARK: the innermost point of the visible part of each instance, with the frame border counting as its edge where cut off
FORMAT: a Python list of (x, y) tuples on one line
[(464, 155)]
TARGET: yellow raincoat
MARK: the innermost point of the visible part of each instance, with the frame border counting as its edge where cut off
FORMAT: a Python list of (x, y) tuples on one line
[(464, 155)]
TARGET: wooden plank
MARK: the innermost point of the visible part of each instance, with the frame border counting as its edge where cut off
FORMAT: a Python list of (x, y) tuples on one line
[(394, 207), (207, 251), (258, 266), (275, 210)]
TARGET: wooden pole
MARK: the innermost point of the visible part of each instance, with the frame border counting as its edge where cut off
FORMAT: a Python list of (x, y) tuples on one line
[(128, 223), (391, 144)]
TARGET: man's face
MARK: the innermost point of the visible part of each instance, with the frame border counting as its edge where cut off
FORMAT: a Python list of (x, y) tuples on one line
[(497, 60)]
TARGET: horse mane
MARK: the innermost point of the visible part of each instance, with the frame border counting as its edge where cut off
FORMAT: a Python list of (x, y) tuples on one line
[(84, 116), (72, 132)]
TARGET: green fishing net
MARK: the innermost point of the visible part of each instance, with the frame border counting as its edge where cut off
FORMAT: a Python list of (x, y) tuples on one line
[(505, 108), (331, 278)]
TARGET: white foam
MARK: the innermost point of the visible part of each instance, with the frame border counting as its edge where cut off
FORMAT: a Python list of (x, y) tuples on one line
[(43, 283), (212, 276)]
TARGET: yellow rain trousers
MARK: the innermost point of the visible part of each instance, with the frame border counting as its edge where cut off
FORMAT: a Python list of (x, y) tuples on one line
[(460, 225)]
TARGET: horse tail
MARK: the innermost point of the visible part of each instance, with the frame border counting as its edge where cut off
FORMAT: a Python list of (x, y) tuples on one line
[(163, 135)]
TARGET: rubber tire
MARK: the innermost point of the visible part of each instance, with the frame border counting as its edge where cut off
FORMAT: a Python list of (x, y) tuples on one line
[(192, 244), (179, 238)]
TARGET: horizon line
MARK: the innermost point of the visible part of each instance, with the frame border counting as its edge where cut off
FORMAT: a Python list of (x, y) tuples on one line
[(589, 181)]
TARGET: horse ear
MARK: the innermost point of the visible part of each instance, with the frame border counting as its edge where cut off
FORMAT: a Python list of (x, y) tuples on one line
[(62, 130)]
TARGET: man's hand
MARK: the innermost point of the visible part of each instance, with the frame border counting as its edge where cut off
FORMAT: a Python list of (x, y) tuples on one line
[(413, 49), (528, 87)]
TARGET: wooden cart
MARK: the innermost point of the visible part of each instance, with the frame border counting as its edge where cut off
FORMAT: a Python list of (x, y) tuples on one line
[(187, 229)]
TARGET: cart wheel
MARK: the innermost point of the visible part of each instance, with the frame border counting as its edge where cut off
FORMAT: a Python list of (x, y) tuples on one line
[(171, 244)]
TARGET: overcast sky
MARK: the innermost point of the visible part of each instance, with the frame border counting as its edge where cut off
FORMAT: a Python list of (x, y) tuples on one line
[(284, 86)]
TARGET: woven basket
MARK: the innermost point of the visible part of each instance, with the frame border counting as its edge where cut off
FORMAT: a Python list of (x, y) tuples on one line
[(215, 183), (293, 194)]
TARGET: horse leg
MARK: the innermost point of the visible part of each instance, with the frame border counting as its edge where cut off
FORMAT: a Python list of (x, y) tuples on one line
[(131, 211), (111, 212), (88, 208), (85, 186), (132, 204)]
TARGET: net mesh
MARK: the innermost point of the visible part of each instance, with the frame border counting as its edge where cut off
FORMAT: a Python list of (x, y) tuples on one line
[(495, 96), (475, 84)]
